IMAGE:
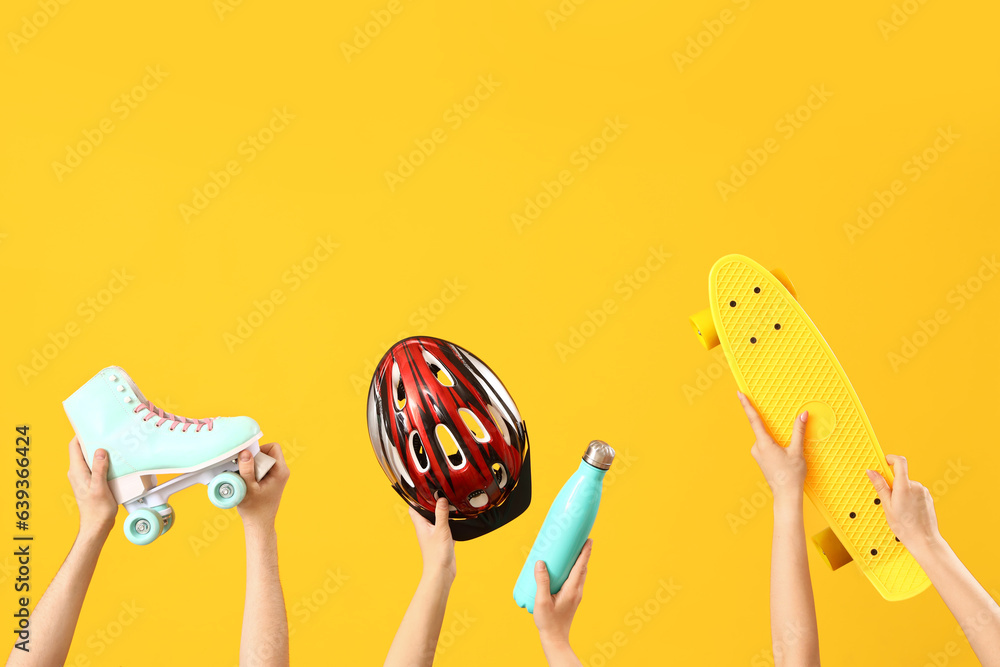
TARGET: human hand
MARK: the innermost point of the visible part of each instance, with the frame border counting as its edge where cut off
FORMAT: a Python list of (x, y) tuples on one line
[(908, 506), (437, 548), (784, 468), (94, 499), (260, 506), (554, 613)]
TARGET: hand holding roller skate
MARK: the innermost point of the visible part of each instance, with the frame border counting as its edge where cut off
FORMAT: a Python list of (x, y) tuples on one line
[(109, 412)]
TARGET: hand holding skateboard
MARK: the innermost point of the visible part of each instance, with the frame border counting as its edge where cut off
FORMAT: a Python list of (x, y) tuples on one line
[(784, 468), (908, 506)]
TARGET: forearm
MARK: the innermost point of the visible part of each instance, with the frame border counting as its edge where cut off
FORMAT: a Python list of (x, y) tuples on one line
[(417, 637), (560, 654), (976, 612), (54, 619), (265, 627), (794, 636)]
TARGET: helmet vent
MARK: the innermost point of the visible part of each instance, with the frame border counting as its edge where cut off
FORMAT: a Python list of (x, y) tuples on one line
[(399, 393), (397, 465), (475, 426), (498, 420), (418, 452), (442, 376), (449, 446), (499, 474)]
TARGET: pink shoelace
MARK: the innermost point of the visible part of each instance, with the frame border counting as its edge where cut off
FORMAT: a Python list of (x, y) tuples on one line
[(166, 416)]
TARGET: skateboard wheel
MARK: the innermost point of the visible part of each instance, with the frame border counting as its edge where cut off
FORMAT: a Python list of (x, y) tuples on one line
[(143, 526), (831, 549), (783, 279), (227, 490), (704, 327)]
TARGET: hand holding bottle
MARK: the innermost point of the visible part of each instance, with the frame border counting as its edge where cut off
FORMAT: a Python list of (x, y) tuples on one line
[(566, 526), (554, 613)]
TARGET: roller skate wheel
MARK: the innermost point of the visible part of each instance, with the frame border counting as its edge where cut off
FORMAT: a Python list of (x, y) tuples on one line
[(227, 490), (143, 526), (166, 513)]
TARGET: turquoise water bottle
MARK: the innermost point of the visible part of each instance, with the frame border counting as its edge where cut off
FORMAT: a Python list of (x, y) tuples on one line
[(567, 525)]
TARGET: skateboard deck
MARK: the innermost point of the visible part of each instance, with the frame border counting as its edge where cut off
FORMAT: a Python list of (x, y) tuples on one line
[(782, 363)]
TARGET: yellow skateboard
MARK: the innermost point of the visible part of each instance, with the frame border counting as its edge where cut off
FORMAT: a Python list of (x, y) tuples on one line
[(783, 364)]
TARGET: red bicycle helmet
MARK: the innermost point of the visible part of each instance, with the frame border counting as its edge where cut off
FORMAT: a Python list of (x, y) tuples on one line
[(442, 423)]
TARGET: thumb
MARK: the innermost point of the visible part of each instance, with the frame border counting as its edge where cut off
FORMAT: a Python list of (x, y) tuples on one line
[(799, 432), (441, 512), (882, 487), (542, 580), (900, 468), (247, 469), (99, 471)]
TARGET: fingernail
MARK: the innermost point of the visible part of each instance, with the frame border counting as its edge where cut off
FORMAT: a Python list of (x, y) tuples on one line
[(804, 416), (539, 566), (245, 455), (739, 395), (100, 455)]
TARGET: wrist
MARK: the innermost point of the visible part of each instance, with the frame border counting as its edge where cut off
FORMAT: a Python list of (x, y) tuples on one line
[(788, 502), (91, 539), (437, 577), (553, 640), (259, 534), (557, 649), (926, 547), (258, 525)]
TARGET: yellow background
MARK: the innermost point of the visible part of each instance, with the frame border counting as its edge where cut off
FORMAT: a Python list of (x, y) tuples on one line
[(684, 469)]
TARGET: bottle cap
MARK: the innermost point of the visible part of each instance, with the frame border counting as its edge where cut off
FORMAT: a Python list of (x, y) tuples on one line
[(599, 454)]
